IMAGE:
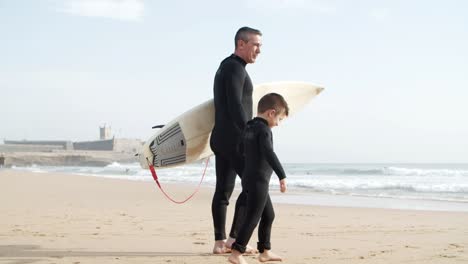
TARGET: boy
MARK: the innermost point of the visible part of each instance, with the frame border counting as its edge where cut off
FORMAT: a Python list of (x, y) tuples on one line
[(260, 162)]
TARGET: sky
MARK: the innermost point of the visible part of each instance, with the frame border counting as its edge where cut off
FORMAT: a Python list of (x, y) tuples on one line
[(395, 72)]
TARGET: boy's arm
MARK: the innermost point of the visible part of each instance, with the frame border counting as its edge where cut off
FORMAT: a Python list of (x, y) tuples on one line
[(266, 145), (283, 185)]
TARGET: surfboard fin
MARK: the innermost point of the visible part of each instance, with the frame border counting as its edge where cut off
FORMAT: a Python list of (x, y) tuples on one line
[(158, 126)]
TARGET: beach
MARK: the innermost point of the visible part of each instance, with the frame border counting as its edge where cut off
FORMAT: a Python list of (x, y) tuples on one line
[(63, 218)]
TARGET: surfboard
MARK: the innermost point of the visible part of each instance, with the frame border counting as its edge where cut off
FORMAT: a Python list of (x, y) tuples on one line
[(186, 139)]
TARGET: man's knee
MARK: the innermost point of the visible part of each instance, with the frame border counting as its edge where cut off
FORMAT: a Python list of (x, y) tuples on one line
[(222, 197), (269, 217)]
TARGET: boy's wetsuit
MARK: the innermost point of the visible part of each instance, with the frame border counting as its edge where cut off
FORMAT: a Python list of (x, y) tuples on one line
[(260, 162), (233, 108)]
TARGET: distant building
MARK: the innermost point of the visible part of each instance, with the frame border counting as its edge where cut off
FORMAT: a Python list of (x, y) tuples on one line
[(105, 133), (103, 145)]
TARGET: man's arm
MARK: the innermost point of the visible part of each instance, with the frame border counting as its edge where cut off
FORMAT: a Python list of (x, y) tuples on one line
[(234, 82)]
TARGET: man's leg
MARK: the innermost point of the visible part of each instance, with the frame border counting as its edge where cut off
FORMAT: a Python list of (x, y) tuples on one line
[(237, 162), (225, 180)]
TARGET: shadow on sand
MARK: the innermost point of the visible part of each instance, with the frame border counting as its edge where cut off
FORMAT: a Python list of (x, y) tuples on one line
[(23, 254)]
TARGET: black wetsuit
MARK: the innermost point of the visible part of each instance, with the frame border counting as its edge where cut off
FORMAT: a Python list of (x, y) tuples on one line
[(260, 162), (233, 108)]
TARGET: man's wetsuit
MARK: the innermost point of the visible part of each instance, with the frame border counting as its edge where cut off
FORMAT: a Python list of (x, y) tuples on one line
[(233, 108), (260, 162)]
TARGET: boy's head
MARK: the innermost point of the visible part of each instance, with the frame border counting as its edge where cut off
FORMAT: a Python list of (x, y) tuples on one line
[(273, 108)]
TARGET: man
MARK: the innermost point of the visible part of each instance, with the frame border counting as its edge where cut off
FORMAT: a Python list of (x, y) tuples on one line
[(233, 108)]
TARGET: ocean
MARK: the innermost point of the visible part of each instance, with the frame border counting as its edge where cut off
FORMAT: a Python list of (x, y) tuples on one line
[(439, 187)]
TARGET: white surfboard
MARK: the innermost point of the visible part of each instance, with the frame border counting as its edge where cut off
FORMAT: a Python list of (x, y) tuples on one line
[(186, 139)]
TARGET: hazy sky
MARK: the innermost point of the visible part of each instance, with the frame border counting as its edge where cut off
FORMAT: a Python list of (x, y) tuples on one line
[(395, 72)]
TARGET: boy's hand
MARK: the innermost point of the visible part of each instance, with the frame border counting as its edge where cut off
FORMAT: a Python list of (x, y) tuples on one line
[(283, 185)]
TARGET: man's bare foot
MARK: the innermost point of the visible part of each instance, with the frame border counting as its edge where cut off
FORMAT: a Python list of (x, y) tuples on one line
[(236, 258), (220, 247), (248, 249), (229, 242), (267, 255)]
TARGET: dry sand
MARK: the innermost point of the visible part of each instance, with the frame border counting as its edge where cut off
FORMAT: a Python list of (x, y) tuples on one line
[(56, 218)]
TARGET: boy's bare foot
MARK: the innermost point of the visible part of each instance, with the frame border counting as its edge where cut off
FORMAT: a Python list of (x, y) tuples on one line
[(236, 258), (248, 250), (267, 255), (220, 247)]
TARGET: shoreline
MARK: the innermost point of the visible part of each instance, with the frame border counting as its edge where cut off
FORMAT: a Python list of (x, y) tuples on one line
[(300, 196), (350, 201)]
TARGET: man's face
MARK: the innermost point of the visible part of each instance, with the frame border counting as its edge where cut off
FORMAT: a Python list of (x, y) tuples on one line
[(251, 48)]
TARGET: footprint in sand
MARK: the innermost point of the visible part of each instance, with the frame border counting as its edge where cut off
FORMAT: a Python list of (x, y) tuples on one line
[(447, 256), (453, 245), (457, 247), (408, 246)]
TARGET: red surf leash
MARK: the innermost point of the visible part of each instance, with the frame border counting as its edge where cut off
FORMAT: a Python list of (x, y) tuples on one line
[(155, 177)]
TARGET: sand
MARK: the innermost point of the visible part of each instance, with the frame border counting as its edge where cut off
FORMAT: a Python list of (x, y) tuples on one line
[(57, 218)]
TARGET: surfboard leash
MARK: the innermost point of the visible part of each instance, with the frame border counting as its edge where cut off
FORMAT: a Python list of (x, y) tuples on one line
[(155, 177)]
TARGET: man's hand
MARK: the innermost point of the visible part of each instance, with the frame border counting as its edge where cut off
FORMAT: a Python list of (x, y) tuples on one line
[(283, 185)]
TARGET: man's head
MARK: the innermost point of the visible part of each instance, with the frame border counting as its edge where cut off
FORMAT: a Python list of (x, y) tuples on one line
[(273, 108), (247, 43)]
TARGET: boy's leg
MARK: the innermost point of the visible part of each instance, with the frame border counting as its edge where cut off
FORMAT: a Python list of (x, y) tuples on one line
[(238, 219), (256, 200), (238, 162), (225, 180), (264, 234), (264, 228)]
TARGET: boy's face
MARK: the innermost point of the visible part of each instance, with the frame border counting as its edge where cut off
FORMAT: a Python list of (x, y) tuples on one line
[(274, 118)]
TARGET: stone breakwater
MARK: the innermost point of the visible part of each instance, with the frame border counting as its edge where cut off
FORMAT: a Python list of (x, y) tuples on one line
[(65, 158)]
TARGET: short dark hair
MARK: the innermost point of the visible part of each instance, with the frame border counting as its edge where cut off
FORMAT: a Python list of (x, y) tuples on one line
[(273, 101), (243, 34)]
